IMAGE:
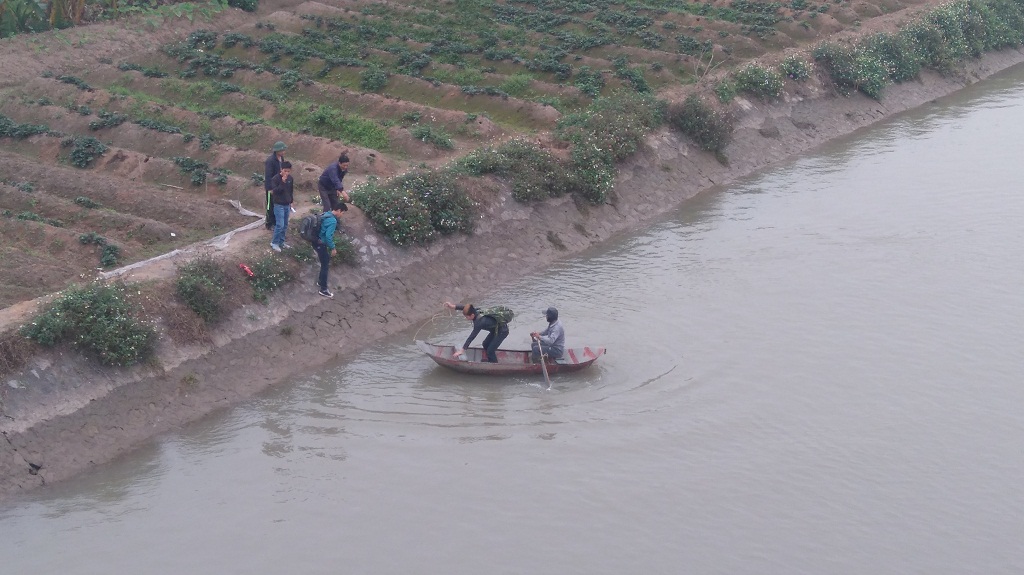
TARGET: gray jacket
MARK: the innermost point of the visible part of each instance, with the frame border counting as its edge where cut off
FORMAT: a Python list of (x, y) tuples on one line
[(554, 338)]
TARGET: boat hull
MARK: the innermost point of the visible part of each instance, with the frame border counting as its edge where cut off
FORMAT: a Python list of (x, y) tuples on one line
[(510, 361)]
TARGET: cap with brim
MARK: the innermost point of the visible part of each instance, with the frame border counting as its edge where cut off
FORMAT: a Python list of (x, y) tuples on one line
[(279, 147)]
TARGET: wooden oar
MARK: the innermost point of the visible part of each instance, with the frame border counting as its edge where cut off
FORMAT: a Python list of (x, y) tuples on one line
[(543, 363)]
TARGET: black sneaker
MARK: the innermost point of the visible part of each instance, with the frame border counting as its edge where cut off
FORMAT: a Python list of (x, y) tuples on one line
[(326, 293)]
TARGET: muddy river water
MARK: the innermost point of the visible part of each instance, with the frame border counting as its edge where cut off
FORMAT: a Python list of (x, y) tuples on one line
[(817, 370)]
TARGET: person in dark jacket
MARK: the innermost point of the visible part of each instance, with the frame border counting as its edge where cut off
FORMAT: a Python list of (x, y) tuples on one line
[(551, 341), (496, 332), (282, 192), (325, 247), (271, 168), (330, 184)]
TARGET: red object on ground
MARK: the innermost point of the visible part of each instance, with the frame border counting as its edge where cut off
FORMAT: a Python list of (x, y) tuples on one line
[(246, 269)]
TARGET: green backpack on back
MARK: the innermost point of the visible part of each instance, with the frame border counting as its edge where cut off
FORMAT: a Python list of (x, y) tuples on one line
[(500, 313)]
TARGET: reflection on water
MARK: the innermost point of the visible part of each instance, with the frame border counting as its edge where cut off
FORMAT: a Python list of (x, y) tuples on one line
[(813, 371)]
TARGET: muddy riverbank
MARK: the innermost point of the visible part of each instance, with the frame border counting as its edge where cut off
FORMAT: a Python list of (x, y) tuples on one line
[(62, 414)]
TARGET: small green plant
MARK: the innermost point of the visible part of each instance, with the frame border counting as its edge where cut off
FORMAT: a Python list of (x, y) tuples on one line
[(97, 319), (432, 135), (257, 178), (725, 90), (86, 202), (200, 286), (75, 81), (110, 255), (107, 120)]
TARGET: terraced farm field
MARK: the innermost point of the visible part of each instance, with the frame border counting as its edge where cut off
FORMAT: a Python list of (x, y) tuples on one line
[(121, 141)]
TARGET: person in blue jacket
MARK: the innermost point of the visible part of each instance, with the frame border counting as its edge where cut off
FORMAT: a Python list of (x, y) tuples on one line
[(325, 247)]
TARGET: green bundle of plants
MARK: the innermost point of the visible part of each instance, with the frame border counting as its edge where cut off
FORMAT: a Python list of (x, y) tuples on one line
[(200, 286), (98, 320)]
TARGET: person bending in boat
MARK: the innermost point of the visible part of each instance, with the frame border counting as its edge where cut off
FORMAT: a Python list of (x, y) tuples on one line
[(551, 341), (486, 321)]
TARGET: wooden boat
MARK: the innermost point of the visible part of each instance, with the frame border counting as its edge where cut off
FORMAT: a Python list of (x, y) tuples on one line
[(510, 361)]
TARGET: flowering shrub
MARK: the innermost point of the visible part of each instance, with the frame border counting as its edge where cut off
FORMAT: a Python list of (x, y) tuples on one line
[(795, 68), (534, 172), (592, 174), (765, 83), (97, 319), (449, 207), (710, 128), (269, 273), (619, 122), (852, 69), (395, 212), (896, 53)]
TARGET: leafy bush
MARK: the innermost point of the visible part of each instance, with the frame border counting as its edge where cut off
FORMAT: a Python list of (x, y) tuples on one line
[(269, 273), (97, 319), (619, 122), (11, 129), (795, 68), (710, 128), (373, 79), (762, 82), (247, 5), (415, 207), (589, 81), (200, 286), (85, 150), (896, 53)]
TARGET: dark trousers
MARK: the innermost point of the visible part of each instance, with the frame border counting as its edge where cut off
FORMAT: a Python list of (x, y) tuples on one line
[(327, 197), (323, 253), (492, 341), (271, 219)]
